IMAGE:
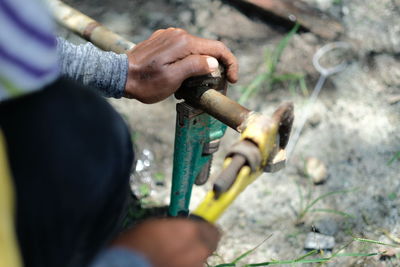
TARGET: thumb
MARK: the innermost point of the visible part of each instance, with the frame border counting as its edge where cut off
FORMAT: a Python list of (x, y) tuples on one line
[(193, 65)]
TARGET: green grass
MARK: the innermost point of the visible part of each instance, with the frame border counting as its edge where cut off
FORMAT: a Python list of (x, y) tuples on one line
[(333, 211), (392, 196), (394, 158), (311, 203), (269, 77), (307, 204), (304, 259), (363, 240)]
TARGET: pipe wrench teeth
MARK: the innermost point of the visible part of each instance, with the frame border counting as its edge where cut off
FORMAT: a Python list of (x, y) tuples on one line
[(277, 163)]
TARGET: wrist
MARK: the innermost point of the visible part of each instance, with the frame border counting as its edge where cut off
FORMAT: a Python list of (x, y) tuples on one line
[(130, 83)]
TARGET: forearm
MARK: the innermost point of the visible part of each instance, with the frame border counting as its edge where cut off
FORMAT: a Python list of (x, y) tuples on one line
[(89, 65)]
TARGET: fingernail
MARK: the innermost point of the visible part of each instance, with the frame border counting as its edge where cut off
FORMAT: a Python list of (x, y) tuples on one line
[(212, 63)]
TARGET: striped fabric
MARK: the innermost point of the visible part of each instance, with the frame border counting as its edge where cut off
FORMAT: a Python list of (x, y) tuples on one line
[(28, 48)]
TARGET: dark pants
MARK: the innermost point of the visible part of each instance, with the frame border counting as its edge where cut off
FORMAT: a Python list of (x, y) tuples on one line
[(70, 155)]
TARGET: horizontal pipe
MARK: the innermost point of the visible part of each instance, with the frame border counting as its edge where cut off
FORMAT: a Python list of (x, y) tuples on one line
[(223, 109)]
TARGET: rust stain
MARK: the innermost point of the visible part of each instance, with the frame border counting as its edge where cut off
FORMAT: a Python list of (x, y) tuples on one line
[(87, 33), (223, 108)]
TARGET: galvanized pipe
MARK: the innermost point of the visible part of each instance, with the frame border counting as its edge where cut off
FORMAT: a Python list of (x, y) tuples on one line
[(211, 101)]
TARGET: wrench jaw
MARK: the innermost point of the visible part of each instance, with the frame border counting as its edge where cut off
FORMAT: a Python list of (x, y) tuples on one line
[(284, 115), (277, 163)]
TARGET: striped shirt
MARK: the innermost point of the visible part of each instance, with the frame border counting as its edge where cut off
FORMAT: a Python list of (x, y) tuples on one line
[(28, 47)]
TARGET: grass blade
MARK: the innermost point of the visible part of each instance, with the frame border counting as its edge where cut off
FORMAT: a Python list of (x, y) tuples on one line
[(247, 253), (252, 88), (312, 252), (396, 156), (280, 48), (317, 260), (269, 263), (303, 86), (358, 254), (315, 201), (271, 61), (375, 242), (287, 77), (337, 212)]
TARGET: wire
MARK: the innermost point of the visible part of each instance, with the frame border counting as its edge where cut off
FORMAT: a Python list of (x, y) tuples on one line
[(325, 73)]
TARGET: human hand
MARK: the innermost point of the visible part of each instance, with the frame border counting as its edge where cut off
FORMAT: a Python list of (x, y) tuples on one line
[(172, 242), (159, 65)]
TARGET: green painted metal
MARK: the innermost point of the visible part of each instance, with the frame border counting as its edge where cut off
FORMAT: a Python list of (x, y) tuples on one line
[(194, 131)]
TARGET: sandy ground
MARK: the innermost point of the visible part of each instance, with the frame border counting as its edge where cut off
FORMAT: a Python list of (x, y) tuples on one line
[(354, 130)]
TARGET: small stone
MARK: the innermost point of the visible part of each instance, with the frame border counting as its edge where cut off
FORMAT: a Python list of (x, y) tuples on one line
[(316, 170), (314, 120), (393, 99), (326, 226), (319, 242), (310, 38)]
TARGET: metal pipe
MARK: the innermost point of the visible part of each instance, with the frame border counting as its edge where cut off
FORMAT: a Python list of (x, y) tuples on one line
[(223, 109), (88, 28)]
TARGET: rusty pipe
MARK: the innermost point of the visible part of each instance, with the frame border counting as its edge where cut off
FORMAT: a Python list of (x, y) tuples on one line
[(214, 102), (223, 109)]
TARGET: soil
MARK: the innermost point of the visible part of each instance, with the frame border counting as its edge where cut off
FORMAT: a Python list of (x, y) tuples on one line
[(353, 127)]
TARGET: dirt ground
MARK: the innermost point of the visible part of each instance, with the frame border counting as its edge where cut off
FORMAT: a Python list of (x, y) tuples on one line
[(353, 127)]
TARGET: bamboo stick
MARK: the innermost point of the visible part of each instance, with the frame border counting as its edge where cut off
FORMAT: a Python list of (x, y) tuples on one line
[(88, 28)]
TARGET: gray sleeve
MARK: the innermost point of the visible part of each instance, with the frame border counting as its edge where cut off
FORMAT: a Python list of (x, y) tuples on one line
[(93, 67), (119, 257)]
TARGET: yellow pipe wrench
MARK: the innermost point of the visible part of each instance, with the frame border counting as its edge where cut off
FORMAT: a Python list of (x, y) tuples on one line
[(260, 149)]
